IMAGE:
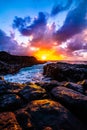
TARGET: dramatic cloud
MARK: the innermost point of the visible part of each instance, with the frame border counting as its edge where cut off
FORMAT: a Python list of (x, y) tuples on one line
[(75, 22), (45, 39), (40, 33), (8, 44), (78, 42), (21, 23), (76, 47), (61, 6), (75, 44), (37, 25)]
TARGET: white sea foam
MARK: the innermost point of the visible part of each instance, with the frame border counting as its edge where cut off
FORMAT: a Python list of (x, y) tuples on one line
[(31, 74), (28, 74)]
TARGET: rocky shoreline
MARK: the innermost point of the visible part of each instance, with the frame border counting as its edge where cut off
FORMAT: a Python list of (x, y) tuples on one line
[(66, 72), (43, 106), (60, 104), (10, 64)]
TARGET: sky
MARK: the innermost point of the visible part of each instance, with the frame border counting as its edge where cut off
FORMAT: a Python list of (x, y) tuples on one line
[(46, 29)]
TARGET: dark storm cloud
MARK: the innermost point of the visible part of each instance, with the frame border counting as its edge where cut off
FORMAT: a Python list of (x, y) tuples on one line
[(60, 7), (75, 22), (36, 26), (44, 34), (21, 22)]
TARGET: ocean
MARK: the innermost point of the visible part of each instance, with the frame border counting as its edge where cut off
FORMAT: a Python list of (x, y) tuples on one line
[(34, 73)]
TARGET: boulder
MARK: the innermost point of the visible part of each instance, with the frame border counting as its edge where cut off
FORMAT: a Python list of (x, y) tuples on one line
[(24, 120), (66, 72), (32, 92), (10, 102), (47, 115), (7, 87), (8, 121), (48, 86), (74, 101), (74, 86)]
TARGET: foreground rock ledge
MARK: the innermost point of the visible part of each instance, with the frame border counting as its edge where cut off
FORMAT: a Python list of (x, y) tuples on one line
[(74, 101), (66, 72), (8, 121), (47, 114), (43, 106)]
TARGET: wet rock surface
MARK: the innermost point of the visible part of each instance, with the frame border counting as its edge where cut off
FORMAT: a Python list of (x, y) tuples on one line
[(8, 121), (74, 86), (43, 106), (33, 92), (66, 72), (40, 114), (47, 105), (73, 100)]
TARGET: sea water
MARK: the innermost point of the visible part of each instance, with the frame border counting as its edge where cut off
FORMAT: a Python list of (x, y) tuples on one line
[(27, 74), (33, 74)]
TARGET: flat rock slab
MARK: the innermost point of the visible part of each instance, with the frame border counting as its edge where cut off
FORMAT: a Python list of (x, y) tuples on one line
[(73, 100), (47, 115)]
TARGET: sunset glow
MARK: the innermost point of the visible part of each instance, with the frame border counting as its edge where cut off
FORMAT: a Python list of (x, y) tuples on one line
[(44, 57), (47, 55), (48, 30)]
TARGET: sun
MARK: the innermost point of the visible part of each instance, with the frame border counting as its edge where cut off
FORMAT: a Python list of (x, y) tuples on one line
[(47, 55), (44, 57)]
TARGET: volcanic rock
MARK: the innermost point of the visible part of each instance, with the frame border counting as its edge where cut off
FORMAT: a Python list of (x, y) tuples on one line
[(66, 72), (8, 121), (32, 92), (47, 115), (10, 102), (74, 86), (73, 100), (48, 86)]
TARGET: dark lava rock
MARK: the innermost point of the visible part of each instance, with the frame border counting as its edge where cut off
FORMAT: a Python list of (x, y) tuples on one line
[(12, 63), (24, 120), (32, 92), (9, 97), (47, 115), (74, 86), (9, 102), (48, 86), (7, 87), (73, 100), (8, 121), (66, 72)]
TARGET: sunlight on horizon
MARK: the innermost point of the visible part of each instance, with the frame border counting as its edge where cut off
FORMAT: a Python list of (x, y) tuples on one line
[(46, 55)]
